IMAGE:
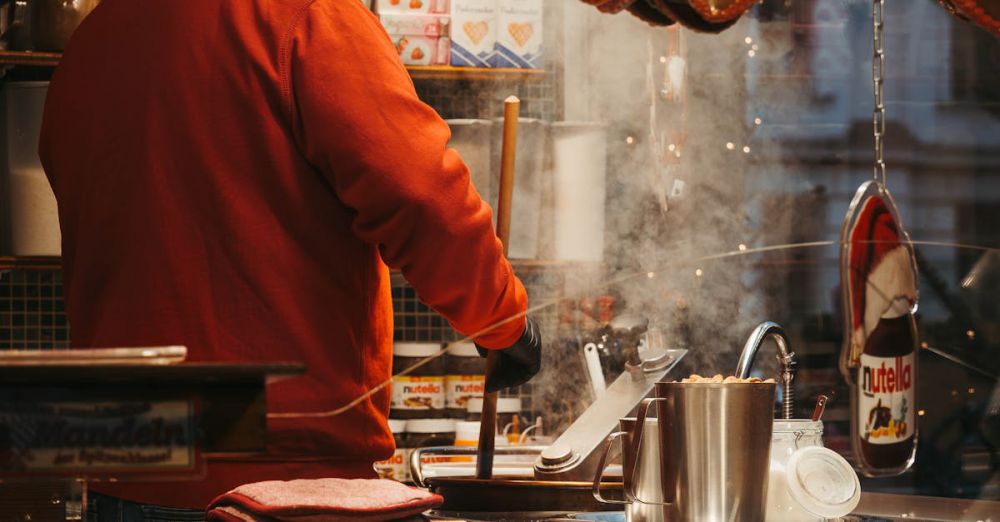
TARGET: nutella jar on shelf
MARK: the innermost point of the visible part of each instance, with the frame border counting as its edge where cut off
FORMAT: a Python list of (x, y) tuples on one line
[(396, 467), (419, 394), (464, 378), (423, 433)]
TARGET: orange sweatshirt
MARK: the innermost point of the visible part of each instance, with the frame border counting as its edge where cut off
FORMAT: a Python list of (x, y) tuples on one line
[(234, 176)]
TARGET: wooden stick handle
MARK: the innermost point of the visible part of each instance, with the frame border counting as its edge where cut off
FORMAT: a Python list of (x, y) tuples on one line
[(508, 153)]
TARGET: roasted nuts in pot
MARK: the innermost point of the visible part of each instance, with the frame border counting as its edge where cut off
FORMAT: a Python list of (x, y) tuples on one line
[(719, 379)]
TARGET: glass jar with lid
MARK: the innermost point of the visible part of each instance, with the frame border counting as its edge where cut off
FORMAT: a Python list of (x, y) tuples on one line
[(808, 482), (419, 394)]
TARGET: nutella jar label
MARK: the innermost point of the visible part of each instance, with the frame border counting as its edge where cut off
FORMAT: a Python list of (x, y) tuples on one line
[(395, 467), (460, 388), (418, 393), (885, 401)]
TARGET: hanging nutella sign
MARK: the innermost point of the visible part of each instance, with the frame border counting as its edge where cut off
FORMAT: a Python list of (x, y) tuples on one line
[(879, 358), (886, 400)]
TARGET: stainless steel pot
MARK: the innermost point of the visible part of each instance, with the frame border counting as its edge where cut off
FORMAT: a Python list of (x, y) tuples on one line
[(715, 442), (53, 21)]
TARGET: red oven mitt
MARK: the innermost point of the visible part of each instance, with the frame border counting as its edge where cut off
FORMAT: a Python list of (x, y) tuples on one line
[(321, 500)]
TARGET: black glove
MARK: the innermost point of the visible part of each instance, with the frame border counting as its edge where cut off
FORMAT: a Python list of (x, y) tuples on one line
[(518, 363)]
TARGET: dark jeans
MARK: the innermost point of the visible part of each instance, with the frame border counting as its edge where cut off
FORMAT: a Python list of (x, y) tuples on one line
[(102, 508)]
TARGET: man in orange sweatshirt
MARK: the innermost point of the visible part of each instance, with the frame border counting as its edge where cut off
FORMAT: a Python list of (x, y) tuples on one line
[(235, 176)]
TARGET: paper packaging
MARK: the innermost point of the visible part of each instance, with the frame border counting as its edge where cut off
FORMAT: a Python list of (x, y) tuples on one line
[(412, 6), (419, 39), (473, 36), (519, 34)]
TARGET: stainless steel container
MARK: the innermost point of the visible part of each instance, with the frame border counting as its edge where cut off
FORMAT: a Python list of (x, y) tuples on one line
[(526, 202), (53, 21), (715, 444), (473, 139)]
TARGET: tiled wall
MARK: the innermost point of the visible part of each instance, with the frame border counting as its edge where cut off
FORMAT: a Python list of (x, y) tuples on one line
[(31, 310)]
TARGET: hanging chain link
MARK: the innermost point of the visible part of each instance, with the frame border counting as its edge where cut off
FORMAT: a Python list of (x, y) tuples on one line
[(878, 73)]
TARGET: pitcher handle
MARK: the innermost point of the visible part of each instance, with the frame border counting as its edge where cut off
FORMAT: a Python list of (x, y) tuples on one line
[(636, 438), (596, 490)]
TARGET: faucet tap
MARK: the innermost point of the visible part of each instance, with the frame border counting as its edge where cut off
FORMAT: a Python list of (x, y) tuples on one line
[(786, 360)]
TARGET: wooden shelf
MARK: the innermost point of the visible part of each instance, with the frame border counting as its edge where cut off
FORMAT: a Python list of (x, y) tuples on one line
[(31, 58), (444, 72), (30, 263), (417, 72)]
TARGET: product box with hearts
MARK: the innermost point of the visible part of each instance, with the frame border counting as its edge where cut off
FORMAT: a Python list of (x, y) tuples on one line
[(519, 34), (412, 6), (420, 39), (473, 36)]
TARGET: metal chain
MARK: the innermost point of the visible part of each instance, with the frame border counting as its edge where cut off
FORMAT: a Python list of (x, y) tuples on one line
[(878, 72)]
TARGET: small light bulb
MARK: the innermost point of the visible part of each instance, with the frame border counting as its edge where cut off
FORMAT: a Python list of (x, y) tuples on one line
[(742, 247), (671, 147), (972, 391), (663, 59), (751, 53), (971, 334), (748, 40), (730, 146), (698, 272), (630, 140), (921, 413), (757, 121), (746, 149), (754, 47), (650, 275)]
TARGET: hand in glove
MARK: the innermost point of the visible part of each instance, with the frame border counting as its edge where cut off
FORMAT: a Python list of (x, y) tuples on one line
[(518, 363)]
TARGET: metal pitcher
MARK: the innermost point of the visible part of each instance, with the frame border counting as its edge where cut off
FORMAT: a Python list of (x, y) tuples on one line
[(646, 482), (715, 442)]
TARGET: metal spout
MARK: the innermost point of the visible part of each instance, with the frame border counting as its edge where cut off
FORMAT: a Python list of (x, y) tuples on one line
[(786, 360)]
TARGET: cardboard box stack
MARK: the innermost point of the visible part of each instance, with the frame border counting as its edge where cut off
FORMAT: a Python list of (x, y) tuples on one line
[(420, 29), (466, 33), (519, 34)]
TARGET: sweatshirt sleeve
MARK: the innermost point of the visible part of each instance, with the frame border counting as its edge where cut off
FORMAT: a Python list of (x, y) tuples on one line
[(358, 120)]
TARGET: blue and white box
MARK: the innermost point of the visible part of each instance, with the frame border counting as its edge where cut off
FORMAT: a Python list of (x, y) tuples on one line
[(473, 32), (519, 34)]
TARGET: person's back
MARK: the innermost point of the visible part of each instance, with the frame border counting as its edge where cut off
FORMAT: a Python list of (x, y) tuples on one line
[(229, 175)]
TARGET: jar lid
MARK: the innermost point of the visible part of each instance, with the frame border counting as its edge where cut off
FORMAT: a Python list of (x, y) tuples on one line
[(430, 426), (463, 350), (397, 425), (504, 405), (822, 482), (415, 349), (798, 425)]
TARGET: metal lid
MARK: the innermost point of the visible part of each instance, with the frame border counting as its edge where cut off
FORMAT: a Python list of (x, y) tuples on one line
[(504, 405), (822, 482), (397, 425), (415, 349), (430, 426), (463, 350)]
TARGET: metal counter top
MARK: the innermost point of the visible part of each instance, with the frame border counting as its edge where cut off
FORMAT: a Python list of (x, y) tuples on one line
[(874, 507)]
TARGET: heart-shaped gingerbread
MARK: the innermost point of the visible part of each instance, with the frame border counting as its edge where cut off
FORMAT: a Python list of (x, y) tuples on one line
[(521, 32), (476, 31)]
